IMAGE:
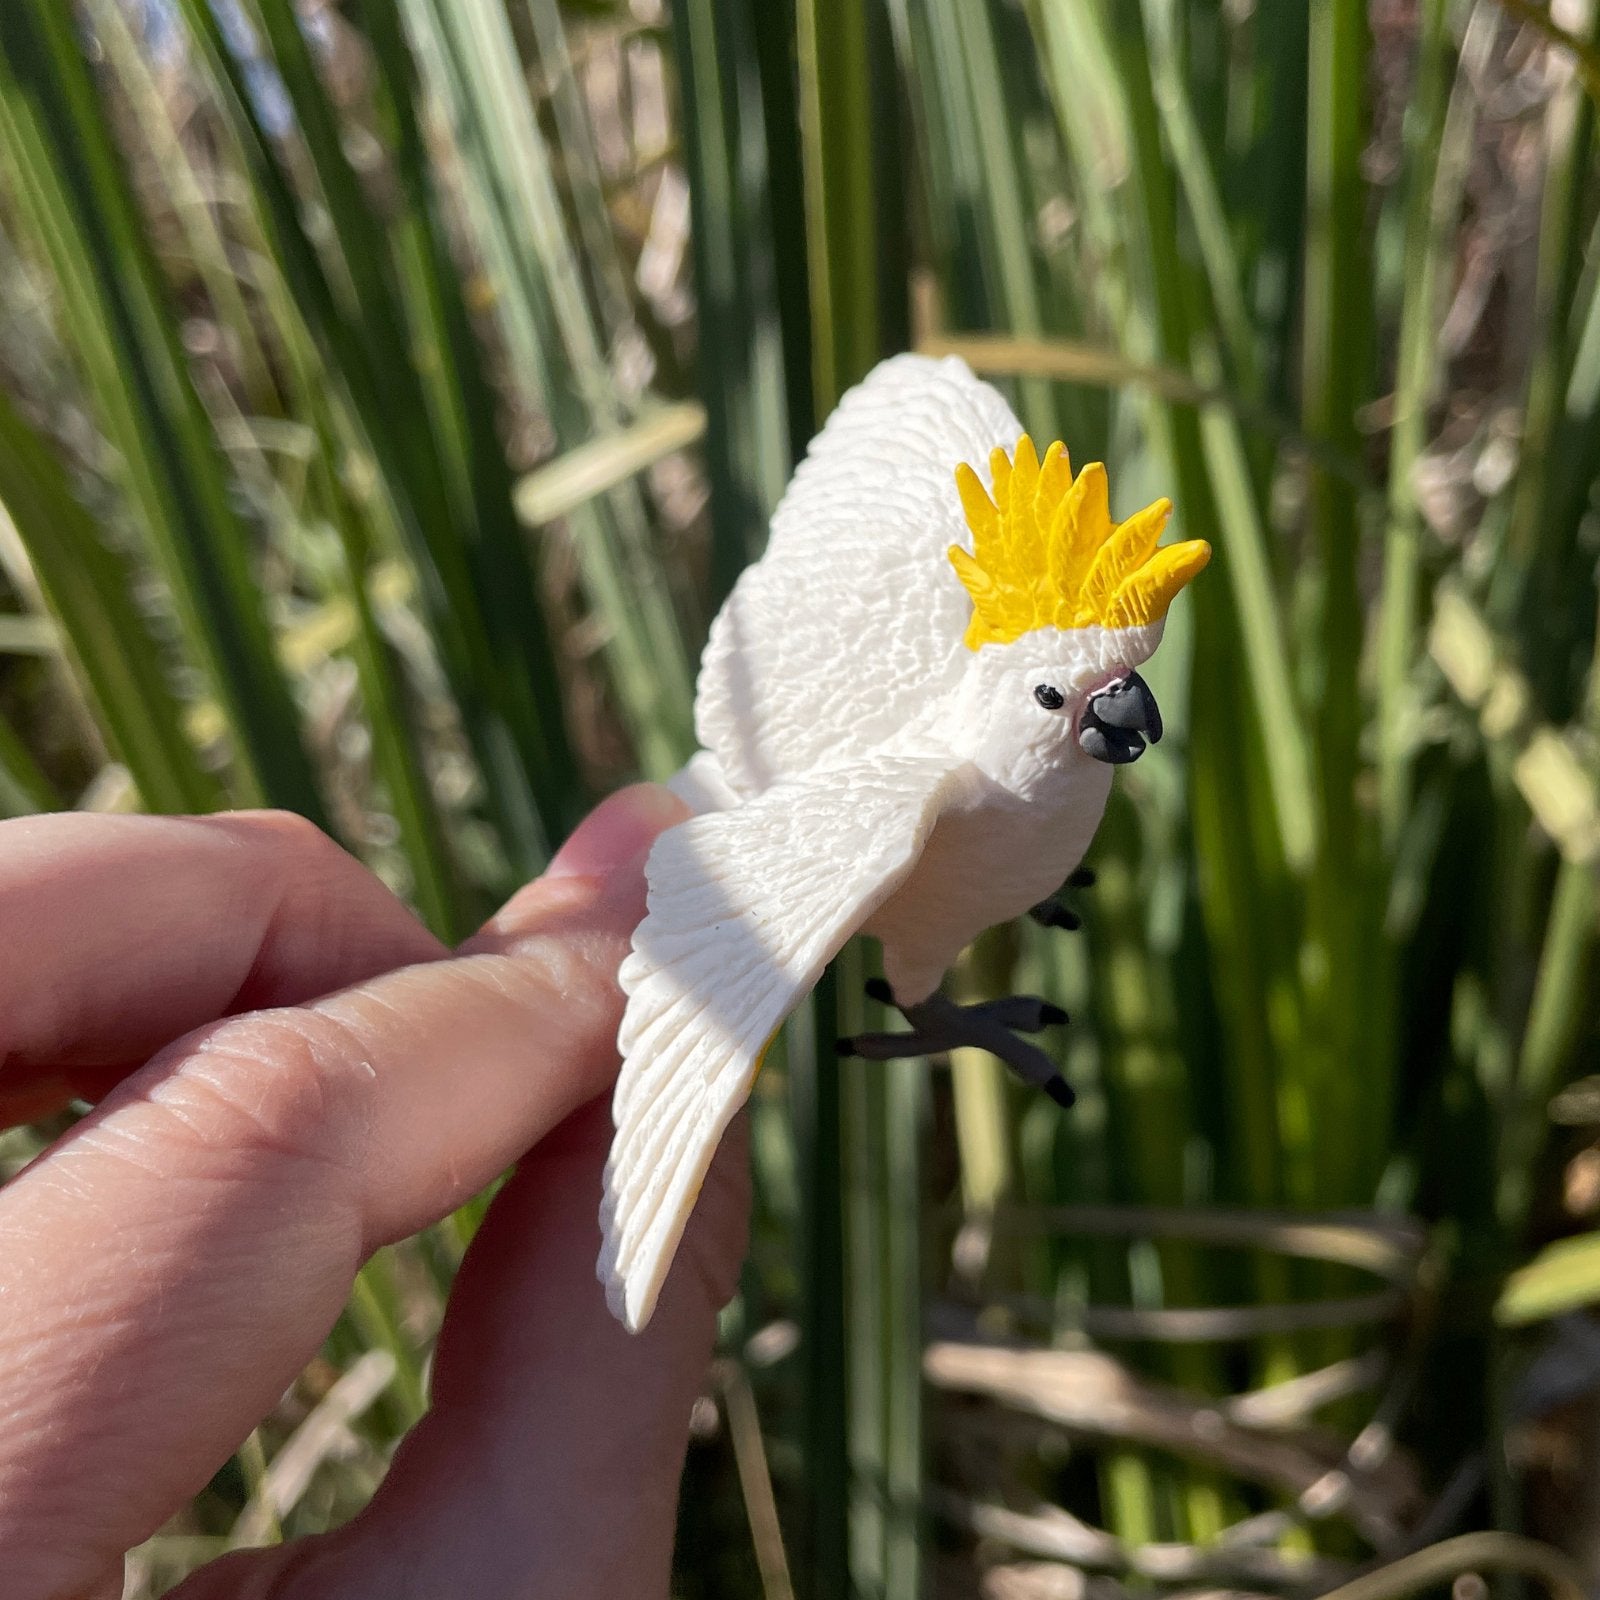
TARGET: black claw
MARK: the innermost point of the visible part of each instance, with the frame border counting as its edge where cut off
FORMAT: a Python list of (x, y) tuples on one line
[(890, 1046), (939, 1025), (878, 989), (1052, 914), (1055, 912), (1021, 1013)]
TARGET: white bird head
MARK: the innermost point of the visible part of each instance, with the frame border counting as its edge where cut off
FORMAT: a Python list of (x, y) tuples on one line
[(1067, 605)]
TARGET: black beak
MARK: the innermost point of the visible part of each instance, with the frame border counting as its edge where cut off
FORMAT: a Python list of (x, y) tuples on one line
[(1117, 719)]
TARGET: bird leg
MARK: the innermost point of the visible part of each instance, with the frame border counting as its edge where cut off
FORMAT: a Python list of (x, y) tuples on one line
[(939, 1025), (1054, 912)]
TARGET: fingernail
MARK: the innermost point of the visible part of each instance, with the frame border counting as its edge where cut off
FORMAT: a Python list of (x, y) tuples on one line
[(616, 831)]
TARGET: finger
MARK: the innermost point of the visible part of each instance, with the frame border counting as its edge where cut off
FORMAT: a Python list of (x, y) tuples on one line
[(170, 1265), (121, 933), (550, 1457)]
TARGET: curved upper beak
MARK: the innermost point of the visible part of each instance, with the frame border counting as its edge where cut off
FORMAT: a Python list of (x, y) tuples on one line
[(1117, 721)]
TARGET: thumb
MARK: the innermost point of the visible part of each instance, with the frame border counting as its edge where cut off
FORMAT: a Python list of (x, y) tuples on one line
[(549, 1459), (279, 1147), (607, 849)]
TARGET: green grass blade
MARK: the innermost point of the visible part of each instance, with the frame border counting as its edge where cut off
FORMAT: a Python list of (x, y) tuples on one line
[(849, 118), (743, 373), (23, 786), (531, 698), (970, 48), (814, 1107), (1560, 1014), (72, 183), (1545, 562), (601, 262), (1343, 1016), (1337, 343), (1439, 147), (574, 478), (469, 54), (157, 121), (368, 354), (1202, 195), (434, 887), (1563, 1277), (856, 222), (89, 591)]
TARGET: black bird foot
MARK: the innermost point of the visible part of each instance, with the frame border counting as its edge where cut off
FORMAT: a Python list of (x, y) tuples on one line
[(1054, 912), (939, 1025)]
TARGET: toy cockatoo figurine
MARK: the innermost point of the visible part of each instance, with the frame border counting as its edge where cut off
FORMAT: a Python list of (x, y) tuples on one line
[(910, 708)]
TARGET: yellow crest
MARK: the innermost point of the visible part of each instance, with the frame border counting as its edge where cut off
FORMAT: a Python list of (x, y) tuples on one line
[(1046, 554)]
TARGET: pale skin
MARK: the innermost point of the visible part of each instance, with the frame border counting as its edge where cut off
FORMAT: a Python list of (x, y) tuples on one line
[(291, 1071)]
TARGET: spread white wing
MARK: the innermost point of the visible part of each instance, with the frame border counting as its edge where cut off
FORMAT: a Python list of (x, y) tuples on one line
[(746, 908), (853, 617)]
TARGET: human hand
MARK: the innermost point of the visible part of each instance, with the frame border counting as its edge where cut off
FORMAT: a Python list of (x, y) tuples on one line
[(291, 1073)]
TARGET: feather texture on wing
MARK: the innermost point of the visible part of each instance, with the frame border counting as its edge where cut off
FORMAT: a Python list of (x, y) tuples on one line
[(740, 926), (820, 653)]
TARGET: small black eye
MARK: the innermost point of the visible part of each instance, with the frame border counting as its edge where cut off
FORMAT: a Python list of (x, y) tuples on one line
[(1050, 697)]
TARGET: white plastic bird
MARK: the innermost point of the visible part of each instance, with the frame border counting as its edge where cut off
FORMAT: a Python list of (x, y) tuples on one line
[(910, 707)]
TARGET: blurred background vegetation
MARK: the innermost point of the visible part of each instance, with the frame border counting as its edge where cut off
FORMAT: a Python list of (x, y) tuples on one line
[(390, 389)]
